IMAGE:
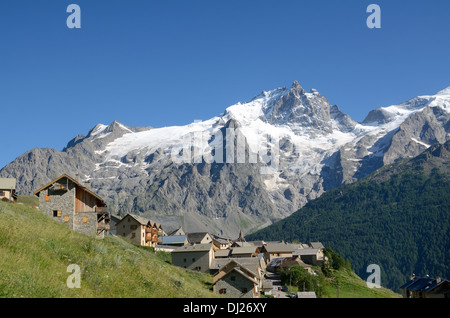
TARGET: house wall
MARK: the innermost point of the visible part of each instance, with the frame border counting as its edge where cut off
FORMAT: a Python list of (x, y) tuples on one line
[(63, 201), (89, 227), (6, 194), (234, 288), (84, 202), (194, 260), (270, 256), (127, 226)]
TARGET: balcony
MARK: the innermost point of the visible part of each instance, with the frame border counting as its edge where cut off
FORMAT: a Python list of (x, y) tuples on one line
[(58, 187), (102, 209), (102, 227), (150, 237)]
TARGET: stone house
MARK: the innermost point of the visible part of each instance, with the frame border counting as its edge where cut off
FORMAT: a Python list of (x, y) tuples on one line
[(140, 230), (178, 231), (67, 201), (311, 256), (237, 281), (245, 251), (221, 242), (8, 189), (199, 238), (276, 250), (277, 264), (198, 257)]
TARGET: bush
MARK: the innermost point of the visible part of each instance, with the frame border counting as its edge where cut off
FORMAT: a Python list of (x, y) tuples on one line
[(298, 276)]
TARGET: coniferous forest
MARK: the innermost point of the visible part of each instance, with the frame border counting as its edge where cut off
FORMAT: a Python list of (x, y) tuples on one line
[(402, 224)]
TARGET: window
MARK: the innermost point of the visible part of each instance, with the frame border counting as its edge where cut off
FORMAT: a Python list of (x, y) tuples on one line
[(66, 218), (57, 213), (233, 278), (223, 291), (184, 260), (244, 290), (133, 235), (2, 194), (133, 227), (193, 260), (47, 198), (84, 219)]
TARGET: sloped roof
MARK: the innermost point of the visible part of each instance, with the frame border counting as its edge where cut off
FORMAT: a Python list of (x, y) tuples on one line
[(423, 284), (237, 266), (173, 239), (140, 219), (252, 263), (243, 250), (193, 248), (307, 251), (316, 245), (222, 253), (196, 237), (71, 179), (7, 183), (278, 247)]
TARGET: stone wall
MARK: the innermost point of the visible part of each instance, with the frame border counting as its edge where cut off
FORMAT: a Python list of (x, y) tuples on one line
[(194, 260), (63, 201)]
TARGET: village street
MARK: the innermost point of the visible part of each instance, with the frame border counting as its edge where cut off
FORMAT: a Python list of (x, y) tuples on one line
[(276, 283)]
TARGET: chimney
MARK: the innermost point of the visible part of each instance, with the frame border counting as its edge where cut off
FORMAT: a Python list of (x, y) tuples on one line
[(438, 279)]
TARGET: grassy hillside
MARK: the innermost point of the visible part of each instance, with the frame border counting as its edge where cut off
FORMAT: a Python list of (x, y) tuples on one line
[(344, 283), (35, 252)]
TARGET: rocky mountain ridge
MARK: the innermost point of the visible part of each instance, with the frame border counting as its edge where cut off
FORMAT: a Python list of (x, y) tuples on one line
[(305, 145)]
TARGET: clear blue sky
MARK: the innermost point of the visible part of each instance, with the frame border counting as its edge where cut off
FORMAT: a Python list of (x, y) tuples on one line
[(161, 63)]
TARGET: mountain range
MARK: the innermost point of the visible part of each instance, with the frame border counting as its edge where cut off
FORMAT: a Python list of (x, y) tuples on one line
[(252, 165)]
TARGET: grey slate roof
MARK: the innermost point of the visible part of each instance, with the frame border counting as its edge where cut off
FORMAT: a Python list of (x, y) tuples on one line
[(243, 250), (422, 284), (193, 248), (279, 247), (173, 239), (306, 251), (196, 238)]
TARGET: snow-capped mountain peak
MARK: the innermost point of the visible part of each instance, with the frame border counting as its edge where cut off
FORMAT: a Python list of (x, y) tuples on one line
[(319, 147), (445, 91)]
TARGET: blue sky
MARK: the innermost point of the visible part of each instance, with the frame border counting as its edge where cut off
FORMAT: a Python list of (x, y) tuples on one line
[(162, 63)]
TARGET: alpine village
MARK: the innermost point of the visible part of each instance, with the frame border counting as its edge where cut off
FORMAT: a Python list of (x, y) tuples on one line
[(228, 266)]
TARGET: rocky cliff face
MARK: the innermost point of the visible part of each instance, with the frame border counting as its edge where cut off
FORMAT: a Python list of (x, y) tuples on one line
[(256, 163)]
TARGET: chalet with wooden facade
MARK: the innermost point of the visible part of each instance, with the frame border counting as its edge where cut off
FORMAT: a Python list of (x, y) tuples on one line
[(8, 189), (140, 230), (67, 201)]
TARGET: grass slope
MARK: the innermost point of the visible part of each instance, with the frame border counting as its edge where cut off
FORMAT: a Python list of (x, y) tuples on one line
[(35, 252)]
